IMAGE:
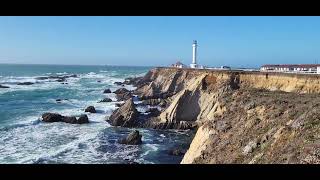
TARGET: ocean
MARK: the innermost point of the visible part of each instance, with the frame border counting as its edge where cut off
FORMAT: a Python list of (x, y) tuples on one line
[(24, 139)]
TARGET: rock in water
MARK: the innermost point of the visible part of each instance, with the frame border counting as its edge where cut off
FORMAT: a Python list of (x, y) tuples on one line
[(52, 117), (90, 109), (118, 83), (107, 91), (176, 152), (134, 138), (118, 104), (3, 86), (83, 119), (25, 83), (106, 100), (124, 116), (124, 96), (70, 119), (153, 112), (61, 80), (121, 91)]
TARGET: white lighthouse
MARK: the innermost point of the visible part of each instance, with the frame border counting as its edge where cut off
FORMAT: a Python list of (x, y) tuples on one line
[(194, 55)]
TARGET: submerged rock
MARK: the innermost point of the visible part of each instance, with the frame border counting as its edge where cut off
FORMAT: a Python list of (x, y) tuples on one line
[(61, 80), (124, 116), (107, 91), (41, 78), (176, 152), (134, 138), (90, 109), (4, 86), (25, 83), (118, 83), (106, 100)]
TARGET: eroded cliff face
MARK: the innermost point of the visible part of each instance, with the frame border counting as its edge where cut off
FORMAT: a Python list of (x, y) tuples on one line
[(242, 117)]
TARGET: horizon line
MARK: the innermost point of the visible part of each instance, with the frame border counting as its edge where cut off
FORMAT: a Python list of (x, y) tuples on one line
[(75, 64)]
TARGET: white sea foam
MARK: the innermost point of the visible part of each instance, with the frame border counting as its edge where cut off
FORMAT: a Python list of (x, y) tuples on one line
[(63, 73), (92, 75), (33, 141)]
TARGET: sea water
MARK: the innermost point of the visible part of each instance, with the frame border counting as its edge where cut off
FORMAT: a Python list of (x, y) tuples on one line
[(25, 139)]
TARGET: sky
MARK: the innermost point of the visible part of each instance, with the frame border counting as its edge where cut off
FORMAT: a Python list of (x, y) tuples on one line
[(236, 41)]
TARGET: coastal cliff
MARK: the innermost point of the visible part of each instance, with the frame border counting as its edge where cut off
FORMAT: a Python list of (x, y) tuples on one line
[(240, 117)]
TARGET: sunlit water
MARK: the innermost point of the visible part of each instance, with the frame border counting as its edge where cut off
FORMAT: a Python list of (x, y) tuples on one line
[(25, 139)]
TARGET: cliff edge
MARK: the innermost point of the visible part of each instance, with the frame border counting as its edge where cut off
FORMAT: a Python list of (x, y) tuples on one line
[(240, 117)]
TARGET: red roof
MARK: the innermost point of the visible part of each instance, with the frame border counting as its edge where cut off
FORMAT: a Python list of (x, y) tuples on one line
[(292, 65)]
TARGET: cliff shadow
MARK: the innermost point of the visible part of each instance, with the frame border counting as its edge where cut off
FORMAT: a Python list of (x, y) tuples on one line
[(188, 108)]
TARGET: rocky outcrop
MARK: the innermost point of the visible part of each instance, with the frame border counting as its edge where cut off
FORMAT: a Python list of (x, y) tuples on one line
[(106, 91), (155, 102), (106, 100), (54, 117), (153, 112), (119, 104), (118, 83), (241, 117), (134, 138), (69, 119), (123, 94), (1, 86), (121, 91), (125, 116), (135, 81), (90, 109), (258, 126)]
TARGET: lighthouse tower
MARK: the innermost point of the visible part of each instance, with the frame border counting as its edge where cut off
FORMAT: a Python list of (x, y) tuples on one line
[(194, 55)]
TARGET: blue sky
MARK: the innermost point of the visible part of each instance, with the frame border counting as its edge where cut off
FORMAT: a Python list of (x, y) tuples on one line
[(235, 41)]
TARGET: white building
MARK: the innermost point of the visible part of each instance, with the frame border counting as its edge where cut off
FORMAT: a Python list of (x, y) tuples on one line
[(292, 68), (194, 55), (178, 64)]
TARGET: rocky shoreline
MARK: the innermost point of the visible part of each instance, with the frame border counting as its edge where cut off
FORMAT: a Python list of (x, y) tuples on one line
[(126, 115), (237, 120)]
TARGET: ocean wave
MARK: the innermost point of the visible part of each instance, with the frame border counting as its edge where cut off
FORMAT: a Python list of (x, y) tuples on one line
[(92, 75), (15, 80), (63, 73)]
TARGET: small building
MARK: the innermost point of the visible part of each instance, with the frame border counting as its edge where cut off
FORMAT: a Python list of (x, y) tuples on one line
[(292, 68), (178, 64)]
